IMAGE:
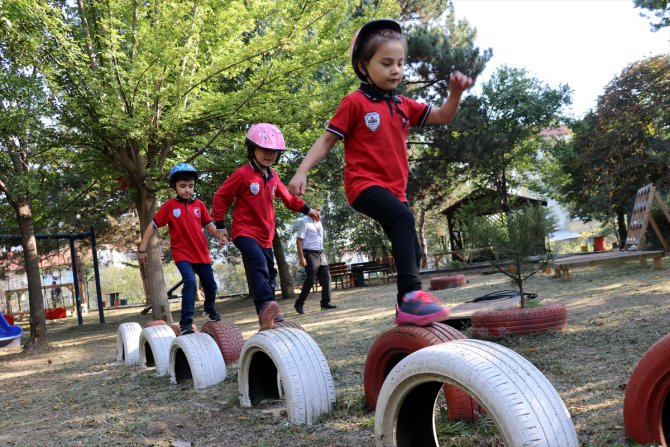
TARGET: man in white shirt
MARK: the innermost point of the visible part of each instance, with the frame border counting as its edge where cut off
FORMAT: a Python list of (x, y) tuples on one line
[(313, 258)]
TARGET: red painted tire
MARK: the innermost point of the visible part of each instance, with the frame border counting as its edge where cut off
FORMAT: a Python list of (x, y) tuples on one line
[(228, 338), (397, 343), (177, 330), (286, 323), (494, 324), (646, 405), (155, 323), (447, 282)]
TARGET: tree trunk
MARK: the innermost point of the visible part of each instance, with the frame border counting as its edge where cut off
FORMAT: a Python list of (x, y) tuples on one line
[(38, 326), (285, 280), (422, 238), (155, 283)]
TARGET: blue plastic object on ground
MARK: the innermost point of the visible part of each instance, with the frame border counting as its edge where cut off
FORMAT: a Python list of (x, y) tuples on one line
[(8, 333)]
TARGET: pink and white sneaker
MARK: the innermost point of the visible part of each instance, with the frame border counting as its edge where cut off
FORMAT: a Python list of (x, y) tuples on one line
[(268, 314), (420, 308)]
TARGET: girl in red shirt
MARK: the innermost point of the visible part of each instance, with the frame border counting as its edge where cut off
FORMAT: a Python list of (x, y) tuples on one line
[(374, 123), (253, 188)]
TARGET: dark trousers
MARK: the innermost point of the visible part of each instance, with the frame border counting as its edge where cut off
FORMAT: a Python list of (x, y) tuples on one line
[(188, 271), (397, 220), (317, 266), (260, 261)]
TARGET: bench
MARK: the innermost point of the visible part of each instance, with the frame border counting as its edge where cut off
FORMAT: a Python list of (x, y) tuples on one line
[(460, 254), (339, 274), (562, 266), (378, 269)]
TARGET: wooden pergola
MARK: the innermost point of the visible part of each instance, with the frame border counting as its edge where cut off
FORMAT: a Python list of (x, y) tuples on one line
[(488, 202)]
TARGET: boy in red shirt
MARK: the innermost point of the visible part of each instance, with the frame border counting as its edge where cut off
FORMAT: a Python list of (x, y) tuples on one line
[(253, 188), (185, 217), (374, 123)]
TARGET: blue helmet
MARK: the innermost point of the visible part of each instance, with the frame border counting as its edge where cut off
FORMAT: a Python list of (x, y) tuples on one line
[(182, 171)]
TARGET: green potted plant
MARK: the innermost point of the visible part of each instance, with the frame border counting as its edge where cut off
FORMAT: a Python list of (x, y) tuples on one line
[(516, 241)]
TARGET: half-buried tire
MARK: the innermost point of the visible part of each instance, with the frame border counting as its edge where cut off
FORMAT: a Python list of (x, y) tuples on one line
[(155, 344), (286, 323), (447, 282), (304, 374), (646, 405), (494, 324), (392, 346), (227, 337), (198, 358), (128, 344), (155, 323), (522, 403)]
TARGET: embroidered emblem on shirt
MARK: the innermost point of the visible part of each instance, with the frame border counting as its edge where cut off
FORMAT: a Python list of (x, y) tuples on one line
[(176, 212), (274, 188), (372, 121), (196, 211), (255, 188)]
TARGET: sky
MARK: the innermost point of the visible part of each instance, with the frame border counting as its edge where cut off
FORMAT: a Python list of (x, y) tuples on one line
[(582, 43)]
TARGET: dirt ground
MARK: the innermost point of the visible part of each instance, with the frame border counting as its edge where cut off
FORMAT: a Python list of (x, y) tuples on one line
[(76, 394)]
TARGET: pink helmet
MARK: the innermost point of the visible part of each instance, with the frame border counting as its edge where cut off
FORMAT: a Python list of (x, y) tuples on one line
[(362, 34), (266, 136)]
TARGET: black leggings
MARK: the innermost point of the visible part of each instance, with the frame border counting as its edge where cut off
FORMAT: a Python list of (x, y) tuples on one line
[(397, 220)]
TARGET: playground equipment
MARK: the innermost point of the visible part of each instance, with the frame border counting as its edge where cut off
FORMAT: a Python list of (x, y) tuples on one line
[(521, 402), (227, 337), (197, 357), (397, 343), (73, 256), (289, 358), (646, 405), (10, 335), (155, 344), (128, 344)]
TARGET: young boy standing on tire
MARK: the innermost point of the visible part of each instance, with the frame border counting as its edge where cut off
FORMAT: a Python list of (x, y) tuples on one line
[(185, 217), (253, 188)]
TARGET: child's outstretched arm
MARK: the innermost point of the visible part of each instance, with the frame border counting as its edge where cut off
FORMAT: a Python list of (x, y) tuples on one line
[(319, 149), (144, 243), (458, 83)]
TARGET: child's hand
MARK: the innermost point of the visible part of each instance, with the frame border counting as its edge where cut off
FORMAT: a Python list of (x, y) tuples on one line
[(142, 257), (458, 82), (222, 236), (297, 184), (314, 214)]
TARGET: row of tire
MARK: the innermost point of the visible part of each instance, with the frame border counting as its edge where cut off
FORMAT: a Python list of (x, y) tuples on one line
[(406, 369)]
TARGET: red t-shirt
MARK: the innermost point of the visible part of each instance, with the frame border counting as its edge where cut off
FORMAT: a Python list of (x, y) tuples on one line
[(375, 140), (254, 213), (185, 222)]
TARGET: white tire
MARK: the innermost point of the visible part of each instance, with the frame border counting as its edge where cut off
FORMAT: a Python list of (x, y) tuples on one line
[(128, 344), (523, 404), (197, 357), (303, 373), (155, 344)]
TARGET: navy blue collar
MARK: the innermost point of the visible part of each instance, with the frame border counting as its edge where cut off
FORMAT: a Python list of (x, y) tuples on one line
[(257, 169), (191, 200), (375, 94)]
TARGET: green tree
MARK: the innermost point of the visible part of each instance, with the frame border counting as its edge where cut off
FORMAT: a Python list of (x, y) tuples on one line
[(620, 147), (660, 10), (25, 144), (516, 239), (498, 134), (146, 85)]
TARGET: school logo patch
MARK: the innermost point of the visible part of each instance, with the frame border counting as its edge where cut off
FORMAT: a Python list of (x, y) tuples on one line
[(274, 189), (176, 212), (255, 188), (197, 212), (372, 121)]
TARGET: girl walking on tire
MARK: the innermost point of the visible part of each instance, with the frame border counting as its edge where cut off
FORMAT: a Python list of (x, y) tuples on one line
[(374, 123)]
